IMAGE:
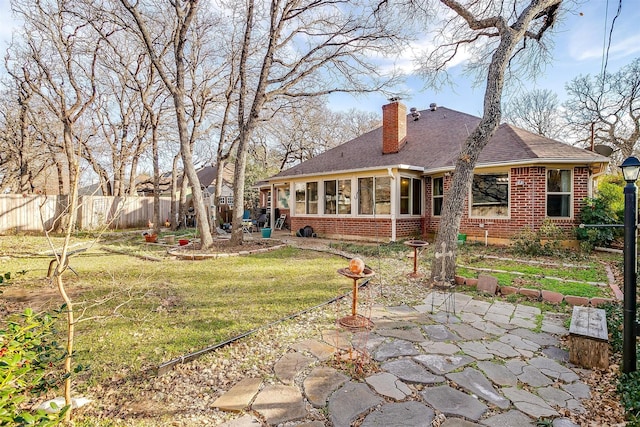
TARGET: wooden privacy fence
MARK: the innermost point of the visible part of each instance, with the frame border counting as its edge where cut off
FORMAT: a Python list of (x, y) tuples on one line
[(20, 213)]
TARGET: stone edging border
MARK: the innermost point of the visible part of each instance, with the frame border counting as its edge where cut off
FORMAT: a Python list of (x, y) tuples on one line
[(547, 296), (201, 256)]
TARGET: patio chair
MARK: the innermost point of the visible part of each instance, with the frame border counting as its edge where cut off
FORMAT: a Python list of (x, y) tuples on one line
[(280, 222)]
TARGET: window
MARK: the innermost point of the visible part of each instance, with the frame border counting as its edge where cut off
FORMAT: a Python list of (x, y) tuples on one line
[(230, 200), (344, 196), (300, 198), (410, 196), (306, 197), (222, 200), (490, 195), (438, 195), (330, 197), (283, 198), (312, 197), (559, 193), (376, 190)]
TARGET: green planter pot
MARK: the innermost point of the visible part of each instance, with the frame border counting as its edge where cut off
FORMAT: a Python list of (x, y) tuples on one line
[(266, 233), (462, 238)]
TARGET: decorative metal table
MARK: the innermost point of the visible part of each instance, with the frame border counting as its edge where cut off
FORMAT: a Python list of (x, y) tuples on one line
[(415, 244), (355, 321)]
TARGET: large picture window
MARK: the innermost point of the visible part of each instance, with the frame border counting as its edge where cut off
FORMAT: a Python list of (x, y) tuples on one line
[(312, 197), (374, 192), (438, 195), (344, 196), (330, 197), (559, 193), (410, 196), (490, 195), (337, 197)]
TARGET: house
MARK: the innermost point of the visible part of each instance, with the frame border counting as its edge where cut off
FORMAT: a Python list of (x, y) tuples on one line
[(390, 183)]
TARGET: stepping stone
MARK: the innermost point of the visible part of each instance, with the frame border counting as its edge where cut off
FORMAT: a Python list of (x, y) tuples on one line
[(563, 422), (243, 421), (388, 385), (410, 334), (439, 347), (519, 343), (311, 424), (476, 383), (337, 338), (541, 338), (553, 369), (470, 317), (523, 323), (498, 374), (489, 328), (502, 308), (467, 332), (529, 403), (527, 374), (368, 341), (501, 349), (478, 307), (402, 310), (320, 383), (411, 372), (500, 319), (452, 402), (554, 396), (395, 348), (441, 365), (440, 333), (445, 318), (557, 354), (290, 365), (239, 396), (476, 349), (280, 404), (526, 311), (577, 389), (319, 350), (350, 401), (509, 419), (404, 414), (458, 422)]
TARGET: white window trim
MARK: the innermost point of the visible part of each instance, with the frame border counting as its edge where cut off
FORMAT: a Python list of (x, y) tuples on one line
[(433, 196), (399, 198), (570, 193)]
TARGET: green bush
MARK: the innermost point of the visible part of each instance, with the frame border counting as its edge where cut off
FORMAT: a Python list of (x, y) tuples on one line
[(629, 390), (598, 211), (544, 242), (27, 354)]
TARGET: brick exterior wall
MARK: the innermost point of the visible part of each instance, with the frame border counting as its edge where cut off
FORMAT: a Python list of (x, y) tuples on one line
[(527, 204), (394, 127), (358, 228)]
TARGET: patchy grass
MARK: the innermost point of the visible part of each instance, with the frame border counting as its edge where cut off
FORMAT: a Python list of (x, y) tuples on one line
[(137, 313)]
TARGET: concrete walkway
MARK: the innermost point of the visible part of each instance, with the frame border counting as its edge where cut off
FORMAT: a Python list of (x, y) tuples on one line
[(489, 364)]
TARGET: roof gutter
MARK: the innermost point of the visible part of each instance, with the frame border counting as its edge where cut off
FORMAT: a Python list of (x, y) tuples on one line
[(516, 164), (346, 171)]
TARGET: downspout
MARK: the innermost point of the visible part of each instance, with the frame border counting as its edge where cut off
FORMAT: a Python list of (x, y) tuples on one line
[(272, 211), (394, 193)]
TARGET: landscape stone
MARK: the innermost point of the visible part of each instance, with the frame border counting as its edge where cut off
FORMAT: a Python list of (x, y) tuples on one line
[(239, 396), (574, 300), (320, 383), (412, 372), (489, 328), (458, 422), (367, 341), (445, 318), (439, 347), (554, 396), (349, 401), (501, 319), (530, 293), (526, 311), (508, 290), (280, 404), (527, 374), (452, 402), (311, 424), (477, 306), (404, 414), (557, 354), (522, 322), (512, 418), (529, 403), (542, 339), (501, 349), (321, 351), (388, 385), (440, 364), (563, 422), (467, 332), (409, 334), (499, 374), (476, 349), (476, 383), (487, 284), (395, 348), (501, 307), (552, 297), (577, 389), (290, 365), (440, 333), (470, 317), (337, 338), (553, 369), (519, 343)]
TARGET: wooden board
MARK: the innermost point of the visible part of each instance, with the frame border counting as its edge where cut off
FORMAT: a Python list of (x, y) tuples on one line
[(589, 322), (588, 338)]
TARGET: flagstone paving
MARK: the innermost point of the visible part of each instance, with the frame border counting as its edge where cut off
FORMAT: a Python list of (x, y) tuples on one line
[(483, 365)]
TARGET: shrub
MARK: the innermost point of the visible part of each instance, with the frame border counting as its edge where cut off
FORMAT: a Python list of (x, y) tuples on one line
[(27, 354), (544, 242), (629, 390), (597, 211)]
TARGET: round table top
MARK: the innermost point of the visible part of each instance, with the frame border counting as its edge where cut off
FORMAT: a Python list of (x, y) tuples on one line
[(416, 243), (348, 273)]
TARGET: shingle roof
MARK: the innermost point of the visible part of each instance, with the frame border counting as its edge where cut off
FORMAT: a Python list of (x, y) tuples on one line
[(433, 143)]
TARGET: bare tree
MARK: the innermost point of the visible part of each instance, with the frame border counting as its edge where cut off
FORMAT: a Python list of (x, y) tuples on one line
[(537, 111), (607, 108), (501, 34)]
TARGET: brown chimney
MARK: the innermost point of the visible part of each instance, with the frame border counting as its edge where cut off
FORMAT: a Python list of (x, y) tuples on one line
[(394, 127)]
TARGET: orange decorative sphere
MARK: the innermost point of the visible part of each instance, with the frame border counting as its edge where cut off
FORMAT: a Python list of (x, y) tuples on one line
[(356, 266)]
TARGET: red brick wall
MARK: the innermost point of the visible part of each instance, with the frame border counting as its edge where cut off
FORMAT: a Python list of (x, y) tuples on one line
[(358, 228), (527, 203)]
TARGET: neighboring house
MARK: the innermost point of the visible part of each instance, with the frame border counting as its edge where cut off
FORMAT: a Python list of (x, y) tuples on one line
[(207, 176), (390, 183)]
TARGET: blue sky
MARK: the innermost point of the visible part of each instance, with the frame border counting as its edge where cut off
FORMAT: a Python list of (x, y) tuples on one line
[(579, 44)]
